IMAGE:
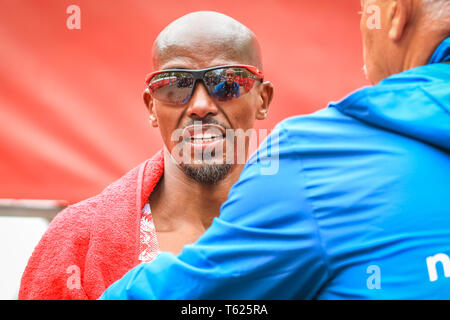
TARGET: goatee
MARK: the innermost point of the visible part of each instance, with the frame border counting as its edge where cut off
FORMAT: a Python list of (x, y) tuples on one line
[(207, 174)]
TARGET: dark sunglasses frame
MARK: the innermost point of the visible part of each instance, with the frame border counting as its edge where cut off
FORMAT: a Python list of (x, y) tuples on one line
[(198, 74)]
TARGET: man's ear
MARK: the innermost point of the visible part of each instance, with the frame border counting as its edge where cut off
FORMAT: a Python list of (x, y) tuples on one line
[(150, 107), (266, 95), (400, 14)]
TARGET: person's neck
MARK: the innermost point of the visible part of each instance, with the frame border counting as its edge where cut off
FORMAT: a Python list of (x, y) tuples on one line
[(178, 199), (421, 49)]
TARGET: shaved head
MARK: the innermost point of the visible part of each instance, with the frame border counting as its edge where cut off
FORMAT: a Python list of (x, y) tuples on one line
[(204, 32), (202, 40)]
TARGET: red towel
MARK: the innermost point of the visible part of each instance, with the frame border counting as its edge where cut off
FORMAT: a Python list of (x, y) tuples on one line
[(91, 244)]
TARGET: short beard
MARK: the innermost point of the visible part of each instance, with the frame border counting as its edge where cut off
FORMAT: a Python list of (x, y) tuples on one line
[(207, 174)]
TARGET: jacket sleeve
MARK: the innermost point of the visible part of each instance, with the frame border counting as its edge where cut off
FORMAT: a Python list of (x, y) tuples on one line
[(55, 269), (264, 245)]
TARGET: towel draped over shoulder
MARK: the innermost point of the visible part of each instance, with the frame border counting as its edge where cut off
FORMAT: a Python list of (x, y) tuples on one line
[(91, 244)]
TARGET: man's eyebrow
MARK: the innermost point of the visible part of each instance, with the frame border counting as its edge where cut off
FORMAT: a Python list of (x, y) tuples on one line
[(214, 66), (170, 68)]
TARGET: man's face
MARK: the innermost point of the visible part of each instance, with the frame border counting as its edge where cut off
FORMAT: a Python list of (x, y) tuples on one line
[(230, 77), (207, 120)]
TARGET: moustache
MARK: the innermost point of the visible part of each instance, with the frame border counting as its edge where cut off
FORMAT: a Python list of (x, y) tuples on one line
[(204, 121)]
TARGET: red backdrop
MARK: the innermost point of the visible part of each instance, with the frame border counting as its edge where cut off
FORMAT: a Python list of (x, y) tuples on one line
[(71, 115)]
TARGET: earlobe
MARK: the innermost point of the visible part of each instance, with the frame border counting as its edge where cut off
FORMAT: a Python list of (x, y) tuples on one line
[(153, 120), (261, 115)]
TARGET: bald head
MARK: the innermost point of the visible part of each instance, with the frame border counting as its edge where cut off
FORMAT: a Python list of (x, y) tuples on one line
[(210, 34)]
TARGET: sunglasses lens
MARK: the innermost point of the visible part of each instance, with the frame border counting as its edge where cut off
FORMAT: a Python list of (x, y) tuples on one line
[(228, 83), (172, 87)]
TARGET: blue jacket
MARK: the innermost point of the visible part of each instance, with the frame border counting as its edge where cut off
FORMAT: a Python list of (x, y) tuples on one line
[(358, 206)]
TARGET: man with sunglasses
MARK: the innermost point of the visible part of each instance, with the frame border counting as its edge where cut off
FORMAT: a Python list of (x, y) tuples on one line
[(170, 200), (359, 208), (228, 89)]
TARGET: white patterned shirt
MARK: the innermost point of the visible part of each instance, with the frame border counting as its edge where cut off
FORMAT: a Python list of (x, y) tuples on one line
[(149, 247)]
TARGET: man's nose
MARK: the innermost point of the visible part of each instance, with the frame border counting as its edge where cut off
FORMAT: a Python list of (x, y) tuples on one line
[(201, 104)]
